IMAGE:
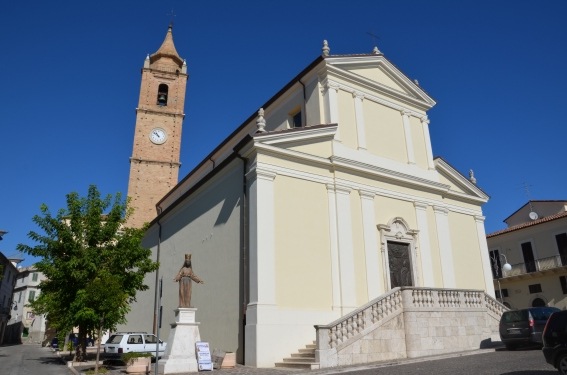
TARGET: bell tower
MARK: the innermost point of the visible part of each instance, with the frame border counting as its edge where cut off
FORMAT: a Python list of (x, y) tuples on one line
[(154, 165)]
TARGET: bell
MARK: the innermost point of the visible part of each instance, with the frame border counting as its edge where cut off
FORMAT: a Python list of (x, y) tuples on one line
[(162, 99)]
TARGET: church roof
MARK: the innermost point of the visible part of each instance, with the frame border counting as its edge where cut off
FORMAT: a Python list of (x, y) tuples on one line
[(167, 49)]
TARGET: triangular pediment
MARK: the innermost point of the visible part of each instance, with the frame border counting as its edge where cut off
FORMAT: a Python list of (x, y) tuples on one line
[(376, 70), (458, 184)]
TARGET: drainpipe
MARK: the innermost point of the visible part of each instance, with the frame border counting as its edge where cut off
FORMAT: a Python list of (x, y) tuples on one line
[(304, 104), (244, 234), (156, 287)]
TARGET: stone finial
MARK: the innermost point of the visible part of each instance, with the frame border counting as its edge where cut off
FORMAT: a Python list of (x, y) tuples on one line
[(261, 121), (326, 50), (471, 176), (416, 82), (184, 62), (376, 51), (147, 61)]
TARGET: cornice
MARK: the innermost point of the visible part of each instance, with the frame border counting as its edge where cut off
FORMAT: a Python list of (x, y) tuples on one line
[(327, 83), (374, 86), (155, 112), (389, 174), (149, 161), (307, 133)]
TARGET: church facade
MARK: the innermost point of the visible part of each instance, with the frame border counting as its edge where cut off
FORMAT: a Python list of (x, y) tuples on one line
[(326, 198)]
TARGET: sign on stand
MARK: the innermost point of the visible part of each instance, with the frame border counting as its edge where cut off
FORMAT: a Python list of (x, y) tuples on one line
[(204, 362)]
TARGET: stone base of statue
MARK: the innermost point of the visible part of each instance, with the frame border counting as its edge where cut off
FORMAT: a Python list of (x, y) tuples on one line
[(180, 351)]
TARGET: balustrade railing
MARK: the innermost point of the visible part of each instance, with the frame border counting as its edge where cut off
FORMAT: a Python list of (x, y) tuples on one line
[(341, 330), (538, 265)]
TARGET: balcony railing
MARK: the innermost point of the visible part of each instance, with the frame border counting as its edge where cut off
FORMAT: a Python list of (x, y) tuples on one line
[(538, 265)]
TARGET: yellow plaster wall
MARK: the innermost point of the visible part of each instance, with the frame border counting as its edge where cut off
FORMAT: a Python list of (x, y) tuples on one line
[(321, 149), (466, 257), (384, 131), (303, 265), (445, 180), (377, 75), (389, 208)]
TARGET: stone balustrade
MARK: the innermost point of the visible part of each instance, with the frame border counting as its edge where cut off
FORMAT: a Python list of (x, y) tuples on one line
[(409, 322)]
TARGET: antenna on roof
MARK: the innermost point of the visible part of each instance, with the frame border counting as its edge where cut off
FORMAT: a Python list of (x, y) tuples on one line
[(374, 41), (172, 14), (533, 215)]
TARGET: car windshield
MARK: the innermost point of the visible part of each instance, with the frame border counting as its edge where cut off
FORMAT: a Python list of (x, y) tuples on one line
[(114, 339), (515, 316)]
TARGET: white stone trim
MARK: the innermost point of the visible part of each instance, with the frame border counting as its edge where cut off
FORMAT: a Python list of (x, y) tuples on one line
[(346, 250), (359, 116), (424, 244), (333, 241), (427, 137), (485, 255), (407, 132), (262, 265), (374, 281), (397, 230), (445, 251), (330, 92)]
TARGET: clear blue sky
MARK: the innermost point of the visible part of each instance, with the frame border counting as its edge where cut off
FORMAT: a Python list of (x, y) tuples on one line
[(71, 79)]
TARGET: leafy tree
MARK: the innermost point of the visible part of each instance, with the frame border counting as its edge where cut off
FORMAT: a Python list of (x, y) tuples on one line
[(93, 264)]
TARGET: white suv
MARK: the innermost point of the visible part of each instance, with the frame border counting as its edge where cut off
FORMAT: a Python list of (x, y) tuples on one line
[(125, 342)]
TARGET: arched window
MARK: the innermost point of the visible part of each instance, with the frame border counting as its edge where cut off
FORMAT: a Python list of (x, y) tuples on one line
[(162, 94)]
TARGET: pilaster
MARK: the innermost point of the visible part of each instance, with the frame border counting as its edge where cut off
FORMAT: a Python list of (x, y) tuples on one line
[(424, 244), (346, 251), (485, 258), (445, 251), (333, 240), (407, 132), (359, 115), (427, 137), (371, 249)]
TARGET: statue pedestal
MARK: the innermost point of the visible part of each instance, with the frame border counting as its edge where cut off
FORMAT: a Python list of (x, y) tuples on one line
[(180, 352)]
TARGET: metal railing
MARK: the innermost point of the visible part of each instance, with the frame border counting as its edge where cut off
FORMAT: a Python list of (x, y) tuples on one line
[(538, 265)]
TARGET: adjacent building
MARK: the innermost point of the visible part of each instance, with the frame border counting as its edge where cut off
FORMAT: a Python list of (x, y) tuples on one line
[(9, 273), (325, 199), (535, 245), (26, 290)]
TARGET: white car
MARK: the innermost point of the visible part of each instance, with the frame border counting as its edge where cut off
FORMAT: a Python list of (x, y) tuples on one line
[(125, 342)]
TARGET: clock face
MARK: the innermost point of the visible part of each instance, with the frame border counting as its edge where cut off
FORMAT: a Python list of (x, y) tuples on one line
[(158, 136)]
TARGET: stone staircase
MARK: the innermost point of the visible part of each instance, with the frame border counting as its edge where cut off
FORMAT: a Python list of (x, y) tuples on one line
[(303, 359)]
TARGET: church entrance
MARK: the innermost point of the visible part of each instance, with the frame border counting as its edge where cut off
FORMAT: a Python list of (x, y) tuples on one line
[(400, 264)]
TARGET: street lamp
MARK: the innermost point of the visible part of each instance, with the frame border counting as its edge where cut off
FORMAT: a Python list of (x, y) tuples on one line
[(506, 267)]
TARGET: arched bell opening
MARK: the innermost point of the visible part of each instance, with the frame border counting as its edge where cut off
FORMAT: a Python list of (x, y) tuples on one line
[(162, 95)]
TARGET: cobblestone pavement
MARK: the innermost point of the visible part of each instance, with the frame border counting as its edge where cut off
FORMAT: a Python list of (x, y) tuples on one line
[(119, 369)]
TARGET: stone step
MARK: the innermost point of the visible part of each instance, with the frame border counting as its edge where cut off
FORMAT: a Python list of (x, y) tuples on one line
[(299, 365), (310, 354)]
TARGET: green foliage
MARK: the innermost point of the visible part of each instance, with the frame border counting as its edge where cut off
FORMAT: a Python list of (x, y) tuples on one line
[(93, 265), (128, 357)]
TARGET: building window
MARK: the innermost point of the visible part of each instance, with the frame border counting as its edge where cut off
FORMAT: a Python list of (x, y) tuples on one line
[(296, 120), (535, 288), (34, 276), (504, 292), (19, 297), (528, 254), (563, 281), (561, 240), (31, 296)]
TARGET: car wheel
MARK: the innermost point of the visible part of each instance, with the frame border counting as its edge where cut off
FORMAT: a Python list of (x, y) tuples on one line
[(562, 364)]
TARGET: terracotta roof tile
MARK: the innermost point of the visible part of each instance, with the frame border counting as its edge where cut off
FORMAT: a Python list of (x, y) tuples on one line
[(528, 224)]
